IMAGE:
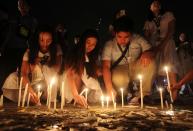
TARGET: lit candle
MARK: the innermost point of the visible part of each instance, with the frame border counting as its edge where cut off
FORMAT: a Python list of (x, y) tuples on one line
[(39, 87), (55, 100), (141, 89), (161, 98), (107, 99), (62, 96), (113, 97), (19, 96), (28, 99), (24, 95), (50, 92), (1, 101), (115, 105), (102, 101), (39, 93), (122, 97), (169, 88)]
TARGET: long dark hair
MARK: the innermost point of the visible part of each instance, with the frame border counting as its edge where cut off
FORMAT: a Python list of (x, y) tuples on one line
[(76, 57), (34, 47)]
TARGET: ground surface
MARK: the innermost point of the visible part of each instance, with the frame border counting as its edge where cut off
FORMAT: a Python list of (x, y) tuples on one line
[(95, 118)]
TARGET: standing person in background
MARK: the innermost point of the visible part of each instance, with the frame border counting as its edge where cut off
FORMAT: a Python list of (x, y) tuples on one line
[(159, 30)]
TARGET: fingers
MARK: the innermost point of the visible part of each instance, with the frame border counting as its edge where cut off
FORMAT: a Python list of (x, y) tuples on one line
[(81, 101)]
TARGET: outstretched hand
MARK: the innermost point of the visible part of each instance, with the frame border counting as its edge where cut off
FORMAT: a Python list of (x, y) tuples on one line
[(146, 58), (81, 100), (34, 98)]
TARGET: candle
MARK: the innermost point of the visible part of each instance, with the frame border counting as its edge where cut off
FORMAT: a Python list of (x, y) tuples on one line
[(141, 89), (122, 100), (50, 92), (19, 96), (1, 101), (24, 95), (115, 105), (107, 99), (47, 102), (55, 100), (62, 96), (169, 88), (28, 99), (102, 101), (39, 93), (39, 87), (161, 98), (113, 97), (167, 74)]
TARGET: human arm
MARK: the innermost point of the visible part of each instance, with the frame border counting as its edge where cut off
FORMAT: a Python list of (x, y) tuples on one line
[(25, 71), (74, 83), (188, 77), (107, 77)]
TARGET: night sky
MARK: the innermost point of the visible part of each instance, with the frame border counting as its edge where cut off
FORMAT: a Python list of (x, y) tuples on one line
[(80, 14)]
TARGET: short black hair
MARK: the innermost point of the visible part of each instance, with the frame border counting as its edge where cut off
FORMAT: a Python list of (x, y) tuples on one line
[(124, 23)]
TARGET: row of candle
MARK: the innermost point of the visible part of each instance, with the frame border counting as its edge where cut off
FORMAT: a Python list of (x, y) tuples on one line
[(49, 94), (141, 93), (39, 93)]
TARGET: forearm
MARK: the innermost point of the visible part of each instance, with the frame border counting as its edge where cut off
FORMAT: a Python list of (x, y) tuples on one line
[(72, 83), (107, 78), (188, 77)]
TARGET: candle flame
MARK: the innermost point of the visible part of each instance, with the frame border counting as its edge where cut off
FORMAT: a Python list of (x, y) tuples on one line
[(140, 77), (53, 80), (166, 68), (102, 98)]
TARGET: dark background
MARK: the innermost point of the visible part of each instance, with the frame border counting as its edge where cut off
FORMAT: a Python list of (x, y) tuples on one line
[(80, 14)]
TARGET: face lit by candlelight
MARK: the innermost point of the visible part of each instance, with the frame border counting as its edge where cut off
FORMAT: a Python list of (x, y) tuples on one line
[(123, 38), (155, 6), (45, 39), (90, 44)]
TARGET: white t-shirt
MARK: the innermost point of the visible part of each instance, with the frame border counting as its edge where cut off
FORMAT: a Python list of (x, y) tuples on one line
[(38, 69), (137, 45), (152, 28)]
